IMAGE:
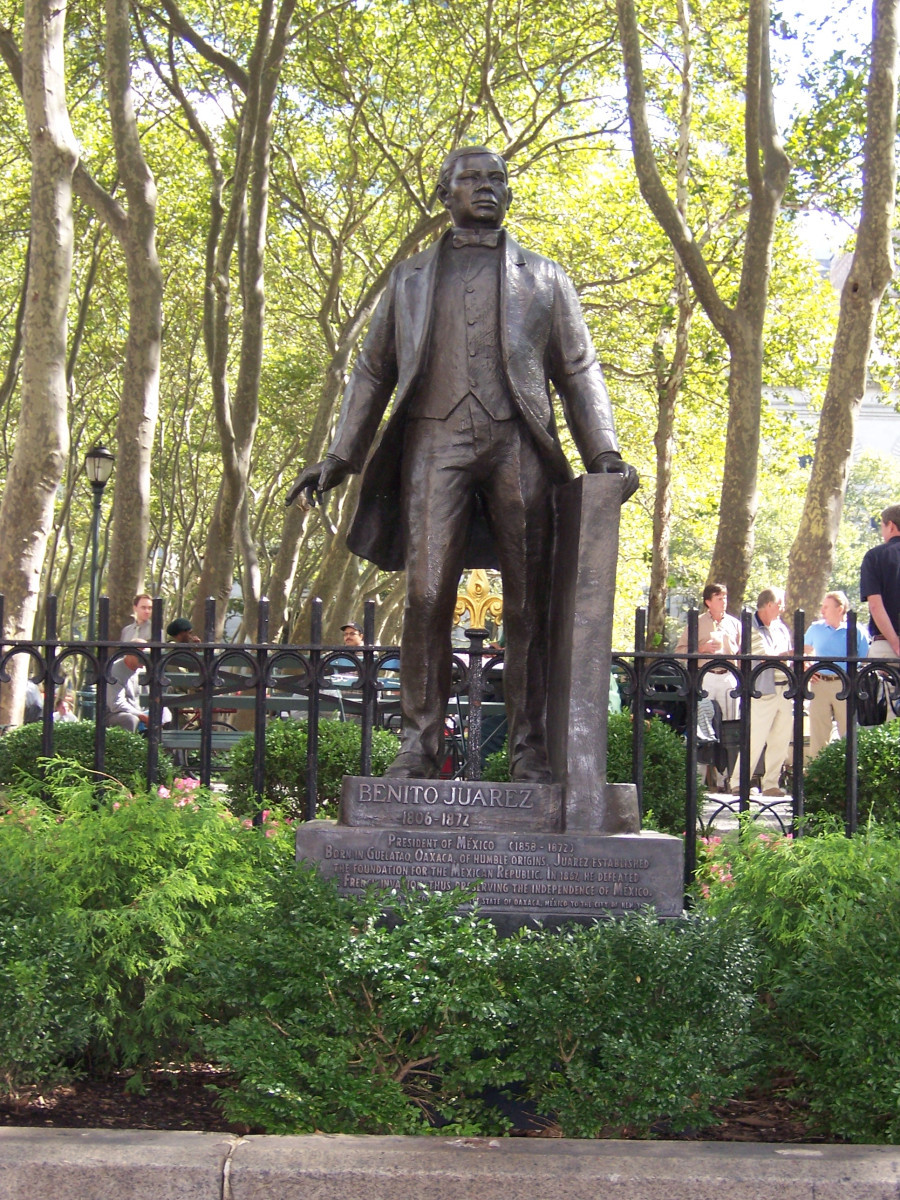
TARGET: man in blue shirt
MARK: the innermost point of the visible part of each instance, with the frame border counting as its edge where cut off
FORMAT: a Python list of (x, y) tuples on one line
[(828, 639)]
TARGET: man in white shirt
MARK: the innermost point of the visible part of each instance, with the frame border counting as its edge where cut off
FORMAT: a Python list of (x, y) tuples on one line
[(138, 629), (718, 634), (771, 714)]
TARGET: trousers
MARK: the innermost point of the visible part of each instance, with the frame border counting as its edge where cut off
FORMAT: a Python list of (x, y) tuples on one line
[(448, 466)]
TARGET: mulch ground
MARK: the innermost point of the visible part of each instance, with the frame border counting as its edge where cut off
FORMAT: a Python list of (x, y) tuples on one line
[(180, 1098)]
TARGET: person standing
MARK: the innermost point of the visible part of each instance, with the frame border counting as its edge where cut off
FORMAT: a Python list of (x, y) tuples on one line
[(771, 715), (718, 634), (879, 586), (828, 639), (138, 628)]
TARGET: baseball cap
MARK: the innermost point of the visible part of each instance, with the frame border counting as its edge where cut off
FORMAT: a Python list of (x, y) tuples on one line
[(352, 625)]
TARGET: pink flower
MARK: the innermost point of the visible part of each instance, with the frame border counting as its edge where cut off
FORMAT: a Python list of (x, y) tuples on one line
[(265, 813), (269, 832), (164, 793), (116, 804), (247, 823)]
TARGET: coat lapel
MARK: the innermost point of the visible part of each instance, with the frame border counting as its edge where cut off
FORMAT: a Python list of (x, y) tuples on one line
[(415, 315)]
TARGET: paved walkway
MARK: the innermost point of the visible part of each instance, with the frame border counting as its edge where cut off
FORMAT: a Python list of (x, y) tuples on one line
[(71, 1164), (721, 808)]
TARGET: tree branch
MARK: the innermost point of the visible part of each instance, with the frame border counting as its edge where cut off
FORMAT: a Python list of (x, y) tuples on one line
[(652, 188)]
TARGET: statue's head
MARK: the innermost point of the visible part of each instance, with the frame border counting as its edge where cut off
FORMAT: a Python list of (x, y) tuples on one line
[(473, 187)]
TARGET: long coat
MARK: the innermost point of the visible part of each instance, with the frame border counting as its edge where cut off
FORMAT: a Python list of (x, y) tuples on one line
[(543, 338)]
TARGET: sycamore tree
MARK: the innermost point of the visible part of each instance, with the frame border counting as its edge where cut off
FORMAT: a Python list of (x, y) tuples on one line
[(358, 191), (738, 314), (37, 462), (870, 271)]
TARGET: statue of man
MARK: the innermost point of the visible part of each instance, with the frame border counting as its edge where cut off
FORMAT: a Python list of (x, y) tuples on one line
[(466, 338)]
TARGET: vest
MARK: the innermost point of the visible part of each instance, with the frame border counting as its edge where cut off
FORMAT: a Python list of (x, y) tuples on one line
[(464, 355)]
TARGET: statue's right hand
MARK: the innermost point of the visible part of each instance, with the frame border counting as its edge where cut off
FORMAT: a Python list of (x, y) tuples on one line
[(313, 481)]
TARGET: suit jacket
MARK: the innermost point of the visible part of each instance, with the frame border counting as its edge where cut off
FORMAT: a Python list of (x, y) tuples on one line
[(543, 338)]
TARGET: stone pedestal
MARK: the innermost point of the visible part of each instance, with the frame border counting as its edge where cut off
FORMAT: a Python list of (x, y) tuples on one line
[(521, 878), (536, 854)]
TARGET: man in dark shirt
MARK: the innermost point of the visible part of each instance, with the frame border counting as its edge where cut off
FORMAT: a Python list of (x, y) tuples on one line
[(879, 585)]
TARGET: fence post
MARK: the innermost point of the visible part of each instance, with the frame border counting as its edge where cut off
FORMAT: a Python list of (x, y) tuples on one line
[(747, 766), (637, 709), (312, 722), (50, 649), (851, 754), (207, 689), (101, 649), (369, 688), (154, 708), (474, 769), (799, 697), (690, 817), (259, 712)]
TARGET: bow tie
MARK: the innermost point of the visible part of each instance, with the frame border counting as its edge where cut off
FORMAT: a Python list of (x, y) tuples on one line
[(476, 237)]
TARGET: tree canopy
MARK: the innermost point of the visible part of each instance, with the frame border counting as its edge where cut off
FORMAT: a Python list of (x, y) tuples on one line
[(279, 159)]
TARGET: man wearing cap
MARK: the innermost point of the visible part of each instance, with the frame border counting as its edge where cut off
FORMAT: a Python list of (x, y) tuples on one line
[(353, 634), (181, 630), (467, 337)]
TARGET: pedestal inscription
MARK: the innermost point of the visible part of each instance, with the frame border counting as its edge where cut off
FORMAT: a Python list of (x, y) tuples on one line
[(539, 876), (448, 804)]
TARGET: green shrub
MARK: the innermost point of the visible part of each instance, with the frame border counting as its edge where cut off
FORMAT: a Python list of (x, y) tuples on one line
[(47, 1022), (285, 781), (333, 1020), (664, 769), (102, 906), (631, 1021), (73, 742), (839, 1006), (825, 911), (878, 775)]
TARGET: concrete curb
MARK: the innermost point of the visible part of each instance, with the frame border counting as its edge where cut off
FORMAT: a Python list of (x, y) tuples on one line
[(72, 1164)]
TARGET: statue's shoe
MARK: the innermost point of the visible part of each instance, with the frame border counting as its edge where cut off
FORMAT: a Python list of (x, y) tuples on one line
[(410, 765), (530, 767)]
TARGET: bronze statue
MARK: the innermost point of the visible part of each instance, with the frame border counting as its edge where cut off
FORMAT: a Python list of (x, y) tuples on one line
[(466, 337)]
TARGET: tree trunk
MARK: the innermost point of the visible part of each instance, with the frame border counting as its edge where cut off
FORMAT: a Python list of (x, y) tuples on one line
[(733, 550), (812, 554), (669, 376), (42, 441), (741, 327), (139, 406), (237, 417)]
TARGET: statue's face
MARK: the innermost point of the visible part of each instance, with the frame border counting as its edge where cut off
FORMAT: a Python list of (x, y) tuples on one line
[(477, 194)]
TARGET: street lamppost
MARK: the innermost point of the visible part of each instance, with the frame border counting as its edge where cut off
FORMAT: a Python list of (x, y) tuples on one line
[(98, 465)]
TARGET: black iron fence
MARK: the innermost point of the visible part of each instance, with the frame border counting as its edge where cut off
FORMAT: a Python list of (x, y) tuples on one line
[(200, 695)]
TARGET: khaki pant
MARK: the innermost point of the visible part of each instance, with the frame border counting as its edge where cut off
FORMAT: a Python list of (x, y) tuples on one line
[(771, 726), (823, 709)]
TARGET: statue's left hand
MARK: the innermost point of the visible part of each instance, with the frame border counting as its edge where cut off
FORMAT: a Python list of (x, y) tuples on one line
[(612, 461)]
